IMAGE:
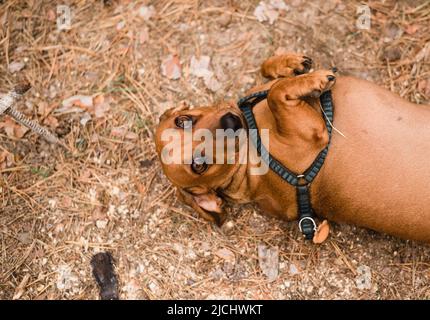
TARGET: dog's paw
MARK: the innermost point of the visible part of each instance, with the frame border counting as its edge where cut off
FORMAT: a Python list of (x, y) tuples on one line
[(304, 65), (286, 65), (321, 81)]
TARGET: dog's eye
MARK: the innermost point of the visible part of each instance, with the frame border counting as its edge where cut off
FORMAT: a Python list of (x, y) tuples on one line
[(184, 122), (199, 165)]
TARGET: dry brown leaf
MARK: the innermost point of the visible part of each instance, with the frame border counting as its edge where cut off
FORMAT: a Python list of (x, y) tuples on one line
[(101, 106), (51, 121), (226, 255), (424, 87), (6, 159), (171, 67), (411, 29), (12, 129), (143, 36), (51, 15), (80, 101)]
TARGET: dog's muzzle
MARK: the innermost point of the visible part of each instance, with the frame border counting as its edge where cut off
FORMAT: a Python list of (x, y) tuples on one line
[(231, 121)]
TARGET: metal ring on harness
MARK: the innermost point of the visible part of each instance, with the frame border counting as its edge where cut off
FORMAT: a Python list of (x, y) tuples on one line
[(307, 218)]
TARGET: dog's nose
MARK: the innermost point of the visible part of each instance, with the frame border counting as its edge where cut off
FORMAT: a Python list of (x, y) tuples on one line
[(231, 121)]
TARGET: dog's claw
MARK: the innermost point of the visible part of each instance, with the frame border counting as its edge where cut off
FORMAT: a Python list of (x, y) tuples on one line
[(307, 65), (307, 59)]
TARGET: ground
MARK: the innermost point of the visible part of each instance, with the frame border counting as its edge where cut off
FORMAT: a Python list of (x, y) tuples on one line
[(107, 192)]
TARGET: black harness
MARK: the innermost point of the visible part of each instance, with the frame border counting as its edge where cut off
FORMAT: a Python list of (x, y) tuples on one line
[(302, 181)]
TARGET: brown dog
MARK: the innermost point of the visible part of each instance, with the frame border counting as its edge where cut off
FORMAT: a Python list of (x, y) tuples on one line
[(376, 174)]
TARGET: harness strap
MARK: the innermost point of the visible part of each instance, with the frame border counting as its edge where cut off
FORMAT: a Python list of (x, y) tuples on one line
[(306, 215)]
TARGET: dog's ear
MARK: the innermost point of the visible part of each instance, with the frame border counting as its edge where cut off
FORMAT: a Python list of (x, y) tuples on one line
[(209, 205), (182, 106)]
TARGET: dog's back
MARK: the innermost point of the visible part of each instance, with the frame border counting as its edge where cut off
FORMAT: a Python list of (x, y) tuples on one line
[(378, 175)]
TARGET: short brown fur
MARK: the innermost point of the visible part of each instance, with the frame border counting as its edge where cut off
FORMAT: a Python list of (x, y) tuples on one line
[(376, 176)]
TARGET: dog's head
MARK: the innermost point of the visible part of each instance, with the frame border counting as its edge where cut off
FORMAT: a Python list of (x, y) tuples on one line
[(192, 145)]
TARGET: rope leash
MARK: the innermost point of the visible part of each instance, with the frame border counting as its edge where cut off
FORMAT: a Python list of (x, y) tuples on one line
[(7, 107)]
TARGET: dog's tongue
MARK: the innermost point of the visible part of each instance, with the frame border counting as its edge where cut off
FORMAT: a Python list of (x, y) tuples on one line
[(322, 232)]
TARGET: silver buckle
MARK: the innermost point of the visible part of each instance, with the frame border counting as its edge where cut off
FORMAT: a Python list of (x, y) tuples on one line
[(307, 218)]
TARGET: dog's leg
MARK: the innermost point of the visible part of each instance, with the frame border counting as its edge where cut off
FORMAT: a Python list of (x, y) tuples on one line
[(286, 65), (292, 113), (282, 66)]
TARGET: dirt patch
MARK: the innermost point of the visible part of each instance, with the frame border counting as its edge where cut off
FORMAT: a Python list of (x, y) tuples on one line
[(57, 209)]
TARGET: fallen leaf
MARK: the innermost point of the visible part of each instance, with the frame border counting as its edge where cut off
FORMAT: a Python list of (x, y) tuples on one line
[(171, 67), (226, 255), (143, 36), (12, 129), (199, 67), (264, 12), (42, 108), (424, 87), (269, 11), (101, 106), (411, 29), (6, 159), (140, 187), (79, 101), (268, 258), (51, 121), (16, 66), (212, 83), (51, 15)]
